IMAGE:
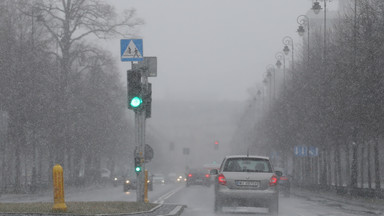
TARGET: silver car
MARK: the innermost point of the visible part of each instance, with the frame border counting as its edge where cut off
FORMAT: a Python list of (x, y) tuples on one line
[(246, 181)]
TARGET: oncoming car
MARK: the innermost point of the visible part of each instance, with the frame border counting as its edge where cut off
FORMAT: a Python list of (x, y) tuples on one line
[(246, 181)]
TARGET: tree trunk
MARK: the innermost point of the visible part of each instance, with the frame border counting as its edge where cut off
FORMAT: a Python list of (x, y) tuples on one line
[(354, 166), (329, 167), (323, 177), (377, 164), (362, 165), (339, 166), (369, 165), (335, 176), (348, 164)]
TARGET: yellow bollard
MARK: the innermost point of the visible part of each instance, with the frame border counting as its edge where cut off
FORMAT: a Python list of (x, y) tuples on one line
[(146, 186), (58, 189)]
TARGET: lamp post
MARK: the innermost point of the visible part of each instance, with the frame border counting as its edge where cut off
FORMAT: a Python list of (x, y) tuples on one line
[(303, 20), (265, 81), (280, 57), (316, 9), (272, 68), (269, 75), (288, 41)]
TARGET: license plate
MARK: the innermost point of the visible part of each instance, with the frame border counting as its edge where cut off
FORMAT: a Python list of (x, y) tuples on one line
[(199, 180), (247, 183)]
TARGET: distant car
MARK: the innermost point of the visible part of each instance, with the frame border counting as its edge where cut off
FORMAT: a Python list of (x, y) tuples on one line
[(130, 184), (283, 183), (181, 179), (246, 181), (198, 177), (117, 180), (150, 181), (158, 179)]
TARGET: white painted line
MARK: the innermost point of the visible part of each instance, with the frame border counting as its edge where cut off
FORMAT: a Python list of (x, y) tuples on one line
[(175, 210), (167, 195)]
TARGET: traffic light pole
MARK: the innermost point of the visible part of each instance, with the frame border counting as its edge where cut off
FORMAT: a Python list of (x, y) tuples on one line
[(140, 121), (140, 134)]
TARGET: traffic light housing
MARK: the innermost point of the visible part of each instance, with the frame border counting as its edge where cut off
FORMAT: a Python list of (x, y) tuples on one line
[(137, 165), (216, 145), (148, 101), (135, 99)]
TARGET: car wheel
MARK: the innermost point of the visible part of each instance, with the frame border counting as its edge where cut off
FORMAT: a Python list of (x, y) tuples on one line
[(218, 205), (274, 208)]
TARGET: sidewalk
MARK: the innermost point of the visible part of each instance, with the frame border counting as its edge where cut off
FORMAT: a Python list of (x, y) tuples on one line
[(368, 203)]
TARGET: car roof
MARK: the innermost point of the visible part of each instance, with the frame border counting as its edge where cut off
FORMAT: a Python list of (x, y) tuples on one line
[(246, 156)]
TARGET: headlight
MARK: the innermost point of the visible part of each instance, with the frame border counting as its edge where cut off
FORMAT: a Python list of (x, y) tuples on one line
[(148, 181), (127, 181), (162, 181), (178, 180), (115, 179), (180, 177)]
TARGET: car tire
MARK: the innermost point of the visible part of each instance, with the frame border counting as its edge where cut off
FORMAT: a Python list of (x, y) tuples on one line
[(274, 208), (218, 205)]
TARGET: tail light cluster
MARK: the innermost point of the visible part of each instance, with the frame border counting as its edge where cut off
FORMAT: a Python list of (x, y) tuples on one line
[(273, 181), (189, 175), (221, 179), (207, 176)]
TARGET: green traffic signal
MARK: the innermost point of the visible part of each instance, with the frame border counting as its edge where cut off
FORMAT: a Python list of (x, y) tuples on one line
[(136, 102), (138, 169)]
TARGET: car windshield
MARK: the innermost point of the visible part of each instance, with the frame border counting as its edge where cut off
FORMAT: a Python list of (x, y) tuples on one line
[(247, 165)]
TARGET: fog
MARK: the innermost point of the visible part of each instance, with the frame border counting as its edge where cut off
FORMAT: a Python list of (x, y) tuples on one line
[(223, 87), (211, 56)]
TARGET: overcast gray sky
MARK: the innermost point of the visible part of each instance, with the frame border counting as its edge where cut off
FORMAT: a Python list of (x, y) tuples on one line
[(212, 49)]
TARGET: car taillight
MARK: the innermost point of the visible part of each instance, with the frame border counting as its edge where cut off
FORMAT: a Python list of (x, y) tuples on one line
[(221, 179), (207, 175), (283, 178), (273, 181), (189, 175)]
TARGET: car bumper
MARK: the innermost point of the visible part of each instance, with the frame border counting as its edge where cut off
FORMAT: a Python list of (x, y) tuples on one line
[(262, 197)]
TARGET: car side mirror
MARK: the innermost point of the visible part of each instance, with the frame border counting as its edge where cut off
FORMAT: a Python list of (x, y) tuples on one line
[(278, 173), (213, 172)]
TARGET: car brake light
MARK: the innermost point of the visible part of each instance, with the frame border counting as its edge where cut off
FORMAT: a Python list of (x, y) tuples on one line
[(189, 175), (283, 178), (222, 179), (207, 175), (273, 181)]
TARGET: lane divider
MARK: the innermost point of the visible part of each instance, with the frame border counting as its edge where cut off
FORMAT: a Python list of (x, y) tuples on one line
[(167, 195)]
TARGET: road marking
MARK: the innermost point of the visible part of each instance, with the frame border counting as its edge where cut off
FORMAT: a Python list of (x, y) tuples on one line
[(167, 195)]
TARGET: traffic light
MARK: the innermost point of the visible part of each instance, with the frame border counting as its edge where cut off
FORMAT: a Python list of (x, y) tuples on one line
[(216, 146), (148, 101), (137, 165), (135, 100)]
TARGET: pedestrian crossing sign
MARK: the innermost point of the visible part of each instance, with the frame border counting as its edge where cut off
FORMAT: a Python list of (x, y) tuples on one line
[(131, 49)]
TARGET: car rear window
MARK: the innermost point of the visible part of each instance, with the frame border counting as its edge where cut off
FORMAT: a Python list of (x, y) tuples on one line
[(247, 165)]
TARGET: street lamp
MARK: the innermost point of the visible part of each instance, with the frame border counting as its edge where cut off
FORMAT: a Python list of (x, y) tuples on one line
[(303, 20), (316, 7), (272, 68), (280, 57), (288, 41)]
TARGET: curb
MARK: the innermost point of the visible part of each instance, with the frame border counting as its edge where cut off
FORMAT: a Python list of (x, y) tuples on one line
[(340, 200)]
